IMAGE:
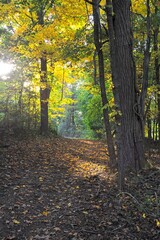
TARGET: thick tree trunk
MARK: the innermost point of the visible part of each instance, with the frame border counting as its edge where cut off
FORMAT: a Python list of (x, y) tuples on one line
[(129, 127), (98, 44)]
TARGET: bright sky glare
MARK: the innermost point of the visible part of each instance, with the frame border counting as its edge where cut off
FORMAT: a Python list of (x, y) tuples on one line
[(5, 68)]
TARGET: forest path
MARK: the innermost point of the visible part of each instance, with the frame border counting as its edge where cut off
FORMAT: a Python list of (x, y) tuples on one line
[(56, 188)]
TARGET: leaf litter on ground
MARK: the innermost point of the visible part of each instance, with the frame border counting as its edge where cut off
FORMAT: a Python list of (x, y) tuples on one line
[(57, 188)]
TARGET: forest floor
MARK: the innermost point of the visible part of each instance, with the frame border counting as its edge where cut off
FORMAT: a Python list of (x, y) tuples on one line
[(62, 189)]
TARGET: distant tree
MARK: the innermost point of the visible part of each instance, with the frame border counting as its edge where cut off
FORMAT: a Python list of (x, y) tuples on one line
[(44, 87), (40, 33)]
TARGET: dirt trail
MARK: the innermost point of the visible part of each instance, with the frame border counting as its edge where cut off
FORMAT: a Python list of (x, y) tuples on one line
[(62, 189)]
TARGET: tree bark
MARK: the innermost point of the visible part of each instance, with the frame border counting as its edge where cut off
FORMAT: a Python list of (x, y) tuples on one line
[(129, 121), (44, 96), (44, 87), (98, 44), (146, 61), (157, 67)]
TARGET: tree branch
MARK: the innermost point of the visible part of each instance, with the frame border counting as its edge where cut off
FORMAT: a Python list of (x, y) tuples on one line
[(90, 2)]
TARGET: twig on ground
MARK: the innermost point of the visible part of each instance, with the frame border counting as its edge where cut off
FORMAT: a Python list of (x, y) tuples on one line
[(98, 190), (153, 173), (129, 194), (90, 231), (115, 229), (156, 196)]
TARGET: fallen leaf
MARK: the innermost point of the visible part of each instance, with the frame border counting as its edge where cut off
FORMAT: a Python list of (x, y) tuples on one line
[(158, 223), (144, 215), (16, 221), (57, 229), (45, 213), (11, 237), (58, 207), (85, 212), (138, 229)]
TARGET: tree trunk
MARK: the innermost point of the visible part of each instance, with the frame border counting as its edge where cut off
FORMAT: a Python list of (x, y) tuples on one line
[(29, 109), (44, 88), (157, 67), (44, 96), (149, 129), (129, 127), (146, 62), (98, 44), (20, 104)]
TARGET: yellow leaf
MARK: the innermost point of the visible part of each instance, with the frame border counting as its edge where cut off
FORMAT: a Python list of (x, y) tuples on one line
[(157, 223), (144, 215), (40, 179), (15, 221), (97, 206), (25, 211), (45, 213)]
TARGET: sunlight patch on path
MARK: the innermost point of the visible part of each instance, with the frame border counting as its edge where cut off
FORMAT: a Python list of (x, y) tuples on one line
[(86, 158), (87, 169)]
